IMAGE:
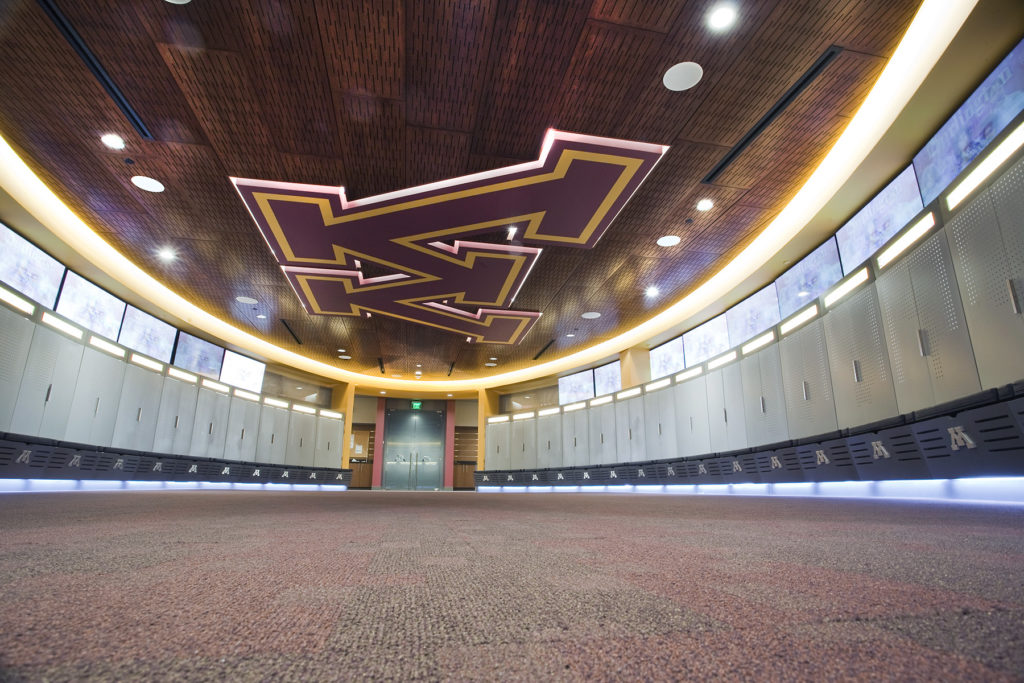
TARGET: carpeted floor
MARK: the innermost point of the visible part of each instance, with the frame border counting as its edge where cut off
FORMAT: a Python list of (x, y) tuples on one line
[(226, 585)]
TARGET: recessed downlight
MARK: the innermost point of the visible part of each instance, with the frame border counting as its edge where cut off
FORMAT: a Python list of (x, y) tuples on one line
[(179, 2), (261, 316), (705, 205), (113, 141), (490, 365), (166, 254), (669, 240), (345, 357), (246, 300), (449, 395), (721, 17), (341, 350), (570, 335), (651, 291), (682, 76), (146, 183), (591, 315), (419, 365), (383, 392)]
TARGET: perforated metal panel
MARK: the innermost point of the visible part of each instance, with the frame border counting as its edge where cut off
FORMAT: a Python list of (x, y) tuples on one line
[(602, 450), (177, 415), (692, 427), (858, 362), (725, 409), (549, 441), (137, 412), (808, 386), (209, 429), (764, 401), (911, 378), (47, 385), (97, 394), (15, 339), (522, 447)]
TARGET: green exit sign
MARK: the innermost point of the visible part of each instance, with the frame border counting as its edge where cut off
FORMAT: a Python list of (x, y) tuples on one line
[(416, 405)]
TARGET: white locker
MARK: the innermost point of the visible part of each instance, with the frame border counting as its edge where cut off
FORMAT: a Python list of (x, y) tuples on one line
[(242, 431), (273, 435), (135, 427), (496, 446), (629, 430), (810, 408), (726, 417), (575, 438), (602, 435), (301, 439), (523, 445), (549, 441), (210, 426), (660, 421), (176, 417), (97, 394), (329, 433), (47, 385), (15, 340), (692, 427), (764, 402)]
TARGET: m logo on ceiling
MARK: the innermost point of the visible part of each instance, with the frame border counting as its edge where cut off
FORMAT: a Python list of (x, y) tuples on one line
[(415, 237)]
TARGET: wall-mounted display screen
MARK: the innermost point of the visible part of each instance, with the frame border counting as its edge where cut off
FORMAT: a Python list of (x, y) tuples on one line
[(244, 373), (984, 114), (809, 278), (198, 356), (879, 220), (706, 341), (29, 269), (753, 315), (667, 358), (90, 306), (143, 333), (576, 387), (608, 378)]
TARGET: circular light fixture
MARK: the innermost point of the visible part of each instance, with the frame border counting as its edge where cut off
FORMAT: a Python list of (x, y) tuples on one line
[(179, 2), (261, 316), (591, 315), (449, 395), (419, 365), (490, 365), (146, 183), (669, 241), (383, 392), (343, 357), (492, 358), (705, 205), (113, 141), (570, 335), (721, 17), (298, 388), (246, 300), (341, 350), (166, 254), (682, 76), (652, 291)]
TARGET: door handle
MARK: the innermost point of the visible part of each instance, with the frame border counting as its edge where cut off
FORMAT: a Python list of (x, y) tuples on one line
[(211, 429), (630, 433), (1011, 285), (96, 410), (762, 405), (271, 437), (921, 344), (806, 389), (856, 371), (725, 415), (138, 416), (243, 434), (175, 421), (48, 390)]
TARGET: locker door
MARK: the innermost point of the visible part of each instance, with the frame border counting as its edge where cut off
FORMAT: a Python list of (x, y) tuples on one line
[(575, 438), (176, 417), (735, 415), (329, 434), (209, 430), (717, 414), (549, 441), (135, 426), (496, 447), (947, 344), (273, 436), (660, 424), (242, 431), (623, 433), (638, 435), (301, 439), (47, 385), (693, 431), (911, 378), (857, 359), (602, 450), (764, 401), (15, 340), (97, 394), (805, 377), (523, 446)]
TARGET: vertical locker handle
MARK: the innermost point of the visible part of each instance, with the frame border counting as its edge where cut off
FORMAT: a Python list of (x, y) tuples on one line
[(48, 390), (630, 433), (96, 410), (602, 437), (659, 429), (300, 442), (271, 437), (856, 371), (921, 342), (805, 388), (549, 444), (725, 415), (138, 416), (574, 442), (524, 447), (691, 423), (328, 445), (175, 421), (243, 434), (762, 405), (210, 431), (1011, 285)]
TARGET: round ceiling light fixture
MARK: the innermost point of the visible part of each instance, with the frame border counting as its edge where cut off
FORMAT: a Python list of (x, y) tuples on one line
[(166, 254), (721, 17), (669, 240), (179, 2), (341, 350), (570, 335), (344, 357), (146, 183), (682, 76), (383, 392), (113, 141), (652, 291), (261, 316), (246, 300), (591, 315), (490, 365), (705, 205)]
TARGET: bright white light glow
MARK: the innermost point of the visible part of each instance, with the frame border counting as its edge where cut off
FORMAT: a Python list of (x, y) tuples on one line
[(652, 291), (523, 416), (721, 360), (758, 342), (721, 17), (851, 283), (511, 233), (799, 319), (496, 419), (331, 414), (216, 386), (590, 315), (247, 395), (113, 141), (14, 300), (669, 241), (705, 205), (916, 232), (546, 411), (983, 170), (64, 326), (182, 375), (661, 383), (682, 76), (50, 485), (146, 362), (104, 345), (148, 184), (601, 401), (689, 374), (574, 406), (628, 393), (246, 300), (304, 409), (277, 403), (166, 254)]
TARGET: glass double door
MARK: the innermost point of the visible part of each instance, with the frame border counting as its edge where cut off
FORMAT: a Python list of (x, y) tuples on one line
[(414, 450)]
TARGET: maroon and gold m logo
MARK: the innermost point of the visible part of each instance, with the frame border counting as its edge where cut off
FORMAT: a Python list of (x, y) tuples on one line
[(416, 237)]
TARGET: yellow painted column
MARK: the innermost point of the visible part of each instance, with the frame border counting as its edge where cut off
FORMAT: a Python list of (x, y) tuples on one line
[(343, 400), (487, 405), (636, 366)]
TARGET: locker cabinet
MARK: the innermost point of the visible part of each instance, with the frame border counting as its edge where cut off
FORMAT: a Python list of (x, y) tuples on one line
[(764, 403), (660, 424), (242, 430), (549, 441), (209, 430), (135, 427), (692, 428), (726, 419), (986, 238), (97, 393), (329, 434), (15, 340), (858, 361), (47, 385), (575, 438), (175, 420), (925, 331), (806, 381), (630, 444), (522, 447), (272, 446), (301, 439), (496, 447), (602, 448)]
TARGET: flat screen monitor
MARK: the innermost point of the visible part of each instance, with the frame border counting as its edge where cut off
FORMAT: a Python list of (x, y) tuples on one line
[(148, 335), (809, 278), (879, 220), (244, 373), (753, 315), (576, 387), (706, 341), (28, 269), (984, 114), (608, 378), (90, 306), (667, 358), (198, 356)]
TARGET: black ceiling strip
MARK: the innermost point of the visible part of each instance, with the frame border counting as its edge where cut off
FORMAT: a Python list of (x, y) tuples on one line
[(541, 352), (451, 368), (380, 362), (91, 61), (291, 331), (826, 58)]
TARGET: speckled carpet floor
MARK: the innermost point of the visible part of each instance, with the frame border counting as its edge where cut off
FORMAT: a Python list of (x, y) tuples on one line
[(227, 585)]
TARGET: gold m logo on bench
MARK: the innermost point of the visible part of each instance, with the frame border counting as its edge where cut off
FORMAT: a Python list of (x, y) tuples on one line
[(404, 254)]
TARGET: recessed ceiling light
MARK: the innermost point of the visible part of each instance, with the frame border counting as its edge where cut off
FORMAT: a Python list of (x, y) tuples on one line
[(246, 300), (492, 358), (396, 375), (299, 388), (343, 357), (682, 76), (383, 392), (591, 315), (721, 17), (490, 365), (651, 291), (570, 335), (166, 254), (179, 2), (261, 316), (705, 205), (449, 395), (469, 339), (341, 350), (146, 183), (803, 294), (526, 397), (113, 141), (668, 241), (419, 365), (511, 232)]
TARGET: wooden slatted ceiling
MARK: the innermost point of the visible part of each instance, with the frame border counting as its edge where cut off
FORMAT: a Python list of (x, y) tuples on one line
[(381, 95)]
